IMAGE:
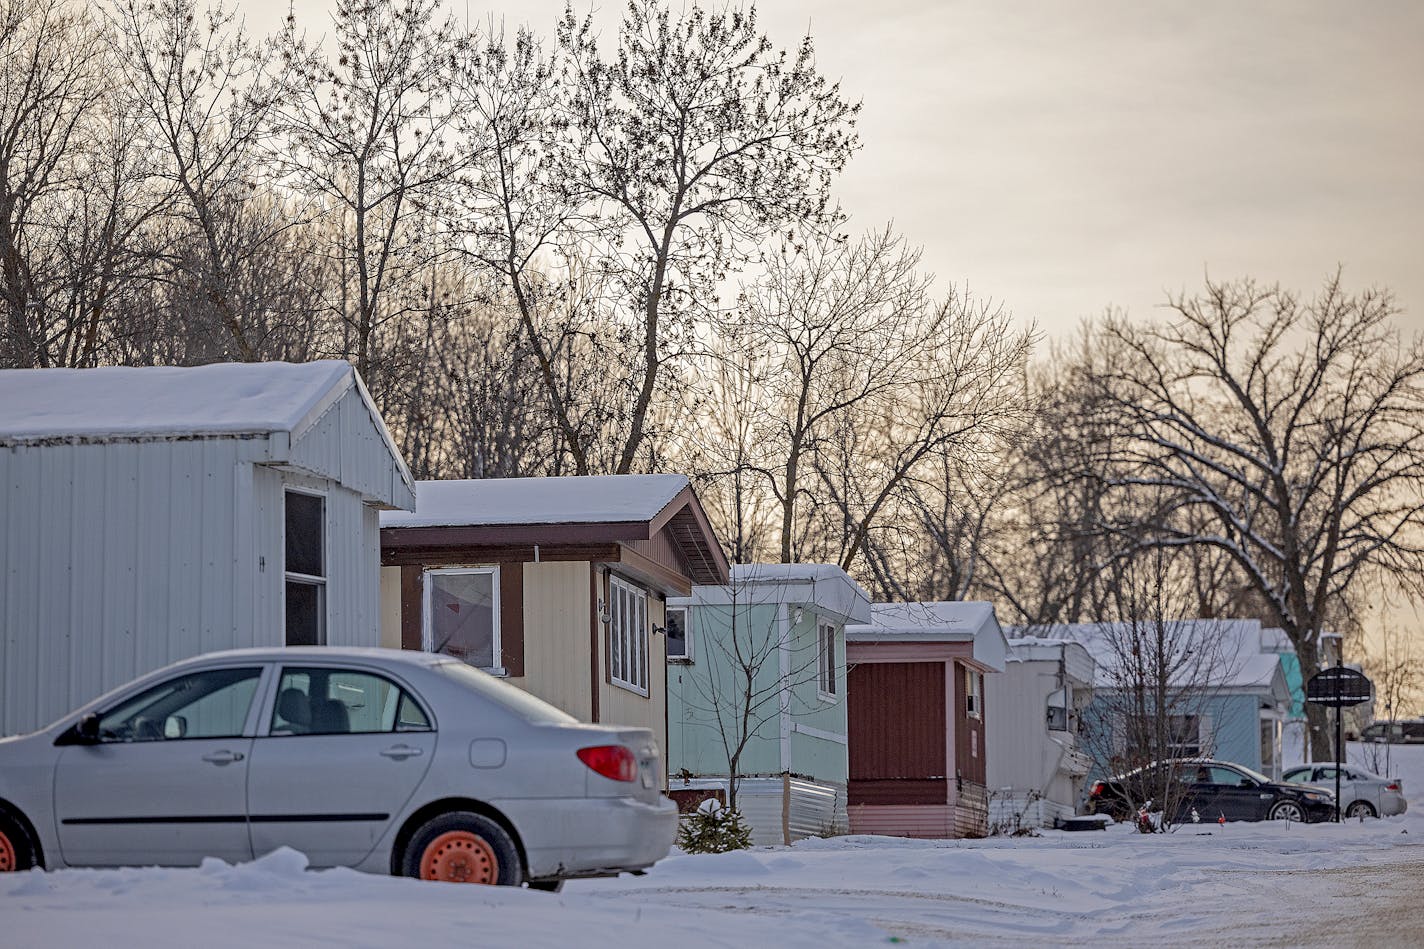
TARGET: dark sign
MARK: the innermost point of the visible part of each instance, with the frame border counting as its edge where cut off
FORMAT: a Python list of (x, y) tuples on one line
[(1339, 687)]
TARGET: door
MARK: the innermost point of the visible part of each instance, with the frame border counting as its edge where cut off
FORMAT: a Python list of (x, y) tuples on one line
[(166, 784), (342, 753), (1238, 796)]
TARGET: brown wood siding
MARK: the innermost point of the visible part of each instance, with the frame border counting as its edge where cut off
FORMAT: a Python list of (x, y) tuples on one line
[(898, 791), (458, 556), (662, 551), (896, 718), (412, 602), (968, 731), (511, 617)]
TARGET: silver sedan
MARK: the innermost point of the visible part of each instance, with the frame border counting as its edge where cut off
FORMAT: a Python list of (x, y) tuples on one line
[(387, 761), (1362, 794)]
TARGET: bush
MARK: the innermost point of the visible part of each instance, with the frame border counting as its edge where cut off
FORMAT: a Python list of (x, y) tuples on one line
[(713, 828)]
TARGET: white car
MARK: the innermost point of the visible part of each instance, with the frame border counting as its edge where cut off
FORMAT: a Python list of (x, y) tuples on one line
[(1361, 793), (387, 761)]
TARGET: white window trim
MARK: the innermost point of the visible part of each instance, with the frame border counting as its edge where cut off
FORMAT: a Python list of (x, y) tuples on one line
[(687, 657), (821, 662), (307, 578), (973, 693), (427, 634), (633, 590)]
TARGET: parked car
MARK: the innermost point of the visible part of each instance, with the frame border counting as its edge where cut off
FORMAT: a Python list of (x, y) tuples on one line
[(1214, 789), (1405, 732), (395, 762), (1361, 793)]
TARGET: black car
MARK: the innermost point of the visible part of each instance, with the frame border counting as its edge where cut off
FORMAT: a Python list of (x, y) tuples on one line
[(1214, 789)]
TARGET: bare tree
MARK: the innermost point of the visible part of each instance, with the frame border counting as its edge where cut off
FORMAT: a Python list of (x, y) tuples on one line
[(202, 85), (1157, 673), (1287, 434), (696, 138), (366, 136)]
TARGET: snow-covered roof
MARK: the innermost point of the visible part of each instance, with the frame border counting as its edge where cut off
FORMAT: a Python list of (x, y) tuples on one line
[(1071, 656), (824, 587), (958, 621), (597, 499), (122, 403), (1223, 653)]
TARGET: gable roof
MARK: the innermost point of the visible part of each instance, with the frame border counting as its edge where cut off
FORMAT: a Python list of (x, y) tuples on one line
[(125, 403), (958, 621), (567, 511), (593, 499), (280, 401), (1227, 653)]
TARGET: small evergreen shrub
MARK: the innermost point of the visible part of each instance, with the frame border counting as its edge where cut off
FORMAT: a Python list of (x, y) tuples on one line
[(713, 828)]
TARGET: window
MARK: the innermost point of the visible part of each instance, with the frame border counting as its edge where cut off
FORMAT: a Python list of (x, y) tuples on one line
[(305, 546), (1184, 736), (826, 660), (317, 701), (678, 647), (462, 615), (973, 693), (208, 704), (1058, 703), (628, 635)]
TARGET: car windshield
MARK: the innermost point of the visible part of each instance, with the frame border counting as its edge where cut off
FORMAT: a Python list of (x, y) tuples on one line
[(521, 703)]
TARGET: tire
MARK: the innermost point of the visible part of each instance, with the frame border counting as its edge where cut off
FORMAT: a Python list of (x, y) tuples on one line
[(1360, 808), (1287, 810), (547, 886), (16, 850), (463, 847)]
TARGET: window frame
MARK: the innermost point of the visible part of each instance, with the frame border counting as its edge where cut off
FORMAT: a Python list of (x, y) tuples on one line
[(686, 658), (427, 616), (628, 648), (319, 582), (250, 718), (268, 712), (973, 693), (826, 661)]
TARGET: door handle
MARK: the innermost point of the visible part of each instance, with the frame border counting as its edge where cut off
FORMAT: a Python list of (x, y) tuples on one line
[(223, 757), (401, 752)]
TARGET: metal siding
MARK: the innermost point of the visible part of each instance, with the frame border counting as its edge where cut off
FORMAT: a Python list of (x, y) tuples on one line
[(346, 446), (897, 720)]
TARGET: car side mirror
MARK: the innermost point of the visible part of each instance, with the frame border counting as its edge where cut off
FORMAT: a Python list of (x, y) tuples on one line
[(1247, 783), (83, 732), (175, 726)]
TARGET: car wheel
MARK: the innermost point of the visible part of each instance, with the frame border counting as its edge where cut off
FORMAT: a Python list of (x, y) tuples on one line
[(1287, 810), (548, 886), (1358, 809), (463, 847), (15, 850)]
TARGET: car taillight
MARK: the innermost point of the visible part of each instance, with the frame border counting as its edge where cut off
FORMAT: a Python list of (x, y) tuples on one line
[(1392, 786), (1097, 790), (614, 762)]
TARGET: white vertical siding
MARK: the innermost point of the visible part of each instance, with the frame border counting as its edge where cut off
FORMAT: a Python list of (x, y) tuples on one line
[(346, 445), (118, 558)]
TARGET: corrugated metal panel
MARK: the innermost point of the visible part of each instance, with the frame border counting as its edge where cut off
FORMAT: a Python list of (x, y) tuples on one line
[(119, 558), (345, 445), (896, 720)]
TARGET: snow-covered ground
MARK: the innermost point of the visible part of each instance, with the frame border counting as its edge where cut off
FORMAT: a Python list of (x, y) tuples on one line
[(1356, 883)]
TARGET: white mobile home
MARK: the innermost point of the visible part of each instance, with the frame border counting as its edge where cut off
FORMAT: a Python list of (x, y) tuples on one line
[(150, 514), (1036, 767)]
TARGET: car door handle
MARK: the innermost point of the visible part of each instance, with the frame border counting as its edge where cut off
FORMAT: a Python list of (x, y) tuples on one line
[(223, 757), (401, 752)]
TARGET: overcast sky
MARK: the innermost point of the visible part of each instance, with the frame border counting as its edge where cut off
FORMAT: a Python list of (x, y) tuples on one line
[(1067, 157)]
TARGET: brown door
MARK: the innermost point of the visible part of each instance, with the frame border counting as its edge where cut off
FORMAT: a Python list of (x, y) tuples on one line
[(897, 733)]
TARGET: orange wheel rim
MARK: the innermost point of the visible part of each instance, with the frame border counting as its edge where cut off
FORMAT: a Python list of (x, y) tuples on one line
[(459, 856), (7, 854)]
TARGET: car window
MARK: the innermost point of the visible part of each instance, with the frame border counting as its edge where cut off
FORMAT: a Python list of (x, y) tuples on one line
[(323, 701), (212, 703), (1298, 775), (1325, 774)]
